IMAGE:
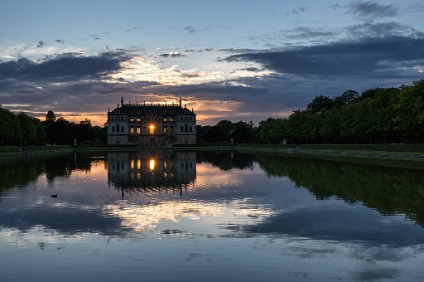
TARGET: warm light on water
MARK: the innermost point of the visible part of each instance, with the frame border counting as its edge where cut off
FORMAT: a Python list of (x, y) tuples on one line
[(208, 217)]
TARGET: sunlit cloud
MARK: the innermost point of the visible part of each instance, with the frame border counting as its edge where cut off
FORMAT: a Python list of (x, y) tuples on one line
[(141, 218)]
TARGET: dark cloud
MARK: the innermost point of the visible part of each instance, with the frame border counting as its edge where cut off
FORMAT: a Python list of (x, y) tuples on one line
[(372, 9), (40, 44), (377, 57), (64, 67)]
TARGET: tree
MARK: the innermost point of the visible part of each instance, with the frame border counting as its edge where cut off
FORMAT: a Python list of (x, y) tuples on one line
[(50, 116), (320, 103)]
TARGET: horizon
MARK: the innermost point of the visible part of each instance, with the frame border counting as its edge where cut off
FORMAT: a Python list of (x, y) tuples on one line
[(226, 59)]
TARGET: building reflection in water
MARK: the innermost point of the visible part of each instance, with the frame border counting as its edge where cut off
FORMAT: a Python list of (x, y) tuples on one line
[(147, 171)]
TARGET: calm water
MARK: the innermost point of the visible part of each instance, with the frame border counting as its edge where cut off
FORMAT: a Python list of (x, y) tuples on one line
[(163, 216)]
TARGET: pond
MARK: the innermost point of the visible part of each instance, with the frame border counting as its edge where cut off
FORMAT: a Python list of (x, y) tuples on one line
[(203, 216)]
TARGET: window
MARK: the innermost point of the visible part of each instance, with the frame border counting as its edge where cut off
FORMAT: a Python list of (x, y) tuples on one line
[(138, 130), (165, 130), (122, 129), (138, 119), (122, 118), (131, 130), (182, 129), (186, 128), (191, 129), (117, 128), (131, 119), (171, 119), (152, 129), (113, 128), (164, 119)]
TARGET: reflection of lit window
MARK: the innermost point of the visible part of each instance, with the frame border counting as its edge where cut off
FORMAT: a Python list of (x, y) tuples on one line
[(152, 129), (152, 164), (138, 130)]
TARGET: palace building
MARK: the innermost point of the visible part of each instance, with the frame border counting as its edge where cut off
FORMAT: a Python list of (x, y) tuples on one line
[(151, 124)]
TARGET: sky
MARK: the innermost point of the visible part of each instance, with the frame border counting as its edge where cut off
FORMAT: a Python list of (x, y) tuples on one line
[(226, 59)]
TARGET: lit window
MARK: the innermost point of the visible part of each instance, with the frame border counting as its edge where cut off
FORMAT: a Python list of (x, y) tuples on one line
[(132, 130), (164, 119), (138, 119), (138, 130), (131, 119), (165, 130), (171, 119), (152, 165), (152, 129)]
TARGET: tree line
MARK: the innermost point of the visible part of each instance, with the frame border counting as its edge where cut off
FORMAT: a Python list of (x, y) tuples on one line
[(375, 116), (378, 115), (21, 129)]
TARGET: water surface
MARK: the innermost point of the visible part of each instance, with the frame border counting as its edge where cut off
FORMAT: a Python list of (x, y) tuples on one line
[(182, 216)]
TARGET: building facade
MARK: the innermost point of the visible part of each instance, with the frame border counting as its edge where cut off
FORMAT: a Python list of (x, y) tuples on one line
[(151, 124)]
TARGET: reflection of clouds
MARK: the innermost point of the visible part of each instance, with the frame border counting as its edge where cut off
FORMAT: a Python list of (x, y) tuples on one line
[(373, 274), (139, 218), (209, 175), (36, 235)]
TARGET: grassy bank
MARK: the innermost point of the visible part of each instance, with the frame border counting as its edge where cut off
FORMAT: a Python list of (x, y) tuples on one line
[(17, 151), (395, 155)]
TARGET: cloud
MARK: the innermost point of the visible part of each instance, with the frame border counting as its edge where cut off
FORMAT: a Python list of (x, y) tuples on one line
[(378, 57), (384, 29), (372, 9), (134, 28), (190, 29), (40, 44), (173, 55), (64, 67), (297, 11)]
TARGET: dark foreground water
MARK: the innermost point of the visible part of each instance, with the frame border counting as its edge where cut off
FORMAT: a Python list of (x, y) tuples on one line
[(164, 216)]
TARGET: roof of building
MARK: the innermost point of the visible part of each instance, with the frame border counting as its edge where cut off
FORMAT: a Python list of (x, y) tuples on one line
[(157, 110)]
